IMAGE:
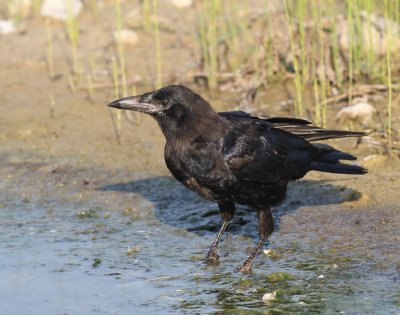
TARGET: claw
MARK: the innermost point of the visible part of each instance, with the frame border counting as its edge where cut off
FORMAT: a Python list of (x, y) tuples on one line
[(212, 257)]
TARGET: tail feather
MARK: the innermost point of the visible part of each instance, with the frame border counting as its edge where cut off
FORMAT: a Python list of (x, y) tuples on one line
[(310, 133), (304, 129), (338, 168), (336, 155), (329, 161)]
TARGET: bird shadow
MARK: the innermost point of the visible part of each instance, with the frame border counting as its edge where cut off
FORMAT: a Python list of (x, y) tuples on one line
[(180, 207)]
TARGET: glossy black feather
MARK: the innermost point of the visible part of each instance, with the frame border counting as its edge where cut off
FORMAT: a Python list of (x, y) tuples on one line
[(234, 157), (299, 127)]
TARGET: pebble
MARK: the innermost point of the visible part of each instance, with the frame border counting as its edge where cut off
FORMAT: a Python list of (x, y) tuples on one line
[(126, 37), (269, 296), (7, 27), (182, 4), (61, 9), (362, 113), (267, 251)]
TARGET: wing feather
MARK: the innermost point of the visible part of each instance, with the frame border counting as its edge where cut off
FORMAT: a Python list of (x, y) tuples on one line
[(296, 126), (267, 155)]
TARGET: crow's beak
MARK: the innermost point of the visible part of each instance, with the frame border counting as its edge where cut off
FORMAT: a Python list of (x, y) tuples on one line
[(140, 103)]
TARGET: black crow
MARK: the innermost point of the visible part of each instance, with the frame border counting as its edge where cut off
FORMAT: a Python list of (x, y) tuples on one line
[(234, 158)]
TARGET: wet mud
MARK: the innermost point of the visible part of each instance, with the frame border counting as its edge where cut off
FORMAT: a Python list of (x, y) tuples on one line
[(79, 239)]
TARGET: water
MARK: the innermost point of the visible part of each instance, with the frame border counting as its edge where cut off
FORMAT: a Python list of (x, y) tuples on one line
[(92, 241)]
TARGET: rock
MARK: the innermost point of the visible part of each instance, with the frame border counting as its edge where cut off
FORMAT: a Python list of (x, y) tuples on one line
[(362, 113), (61, 9), (182, 4), (126, 37), (267, 251), (269, 296), (7, 27)]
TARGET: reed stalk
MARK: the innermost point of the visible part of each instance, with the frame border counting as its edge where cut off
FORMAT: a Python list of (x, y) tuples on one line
[(49, 55), (389, 76), (120, 47), (73, 35), (350, 51), (298, 104), (116, 120), (158, 45)]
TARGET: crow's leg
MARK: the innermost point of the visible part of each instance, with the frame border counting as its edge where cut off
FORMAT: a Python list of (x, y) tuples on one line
[(265, 228), (227, 211)]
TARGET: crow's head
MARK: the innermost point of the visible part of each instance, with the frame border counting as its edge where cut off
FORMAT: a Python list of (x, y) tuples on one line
[(172, 106)]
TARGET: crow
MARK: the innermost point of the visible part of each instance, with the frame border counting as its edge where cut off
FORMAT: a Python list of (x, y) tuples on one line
[(233, 158)]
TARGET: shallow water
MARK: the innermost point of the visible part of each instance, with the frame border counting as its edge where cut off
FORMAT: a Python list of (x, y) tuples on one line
[(92, 241)]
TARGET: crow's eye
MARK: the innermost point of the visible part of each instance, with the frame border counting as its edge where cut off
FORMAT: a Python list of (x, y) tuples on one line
[(165, 101)]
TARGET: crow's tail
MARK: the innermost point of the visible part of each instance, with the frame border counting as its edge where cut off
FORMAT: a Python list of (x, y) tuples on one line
[(329, 161)]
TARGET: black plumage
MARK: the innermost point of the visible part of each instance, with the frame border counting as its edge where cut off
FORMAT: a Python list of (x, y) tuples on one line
[(235, 158)]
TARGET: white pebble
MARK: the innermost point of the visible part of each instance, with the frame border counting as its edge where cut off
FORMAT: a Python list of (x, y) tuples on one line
[(267, 251), (61, 9), (182, 4), (321, 277), (126, 37), (361, 112), (7, 27), (269, 296)]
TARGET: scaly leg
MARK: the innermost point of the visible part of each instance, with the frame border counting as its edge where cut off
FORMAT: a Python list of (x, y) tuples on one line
[(227, 211), (265, 228)]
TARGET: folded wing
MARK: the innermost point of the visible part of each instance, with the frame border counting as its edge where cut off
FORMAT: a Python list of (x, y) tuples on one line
[(269, 150)]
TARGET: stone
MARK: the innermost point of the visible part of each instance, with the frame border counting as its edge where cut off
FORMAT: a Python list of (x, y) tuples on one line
[(61, 9), (126, 37), (7, 27), (269, 296), (182, 4), (362, 113)]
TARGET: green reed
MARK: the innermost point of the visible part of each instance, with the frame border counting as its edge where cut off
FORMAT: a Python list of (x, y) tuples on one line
[(146, 10), (389, 34), (73, 36), (120, 46), (208, 13), (116, 120), (301, 8), (158, 45), (298, 104)]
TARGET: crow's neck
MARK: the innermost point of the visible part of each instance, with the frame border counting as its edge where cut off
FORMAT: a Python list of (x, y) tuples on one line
[(205, 123)]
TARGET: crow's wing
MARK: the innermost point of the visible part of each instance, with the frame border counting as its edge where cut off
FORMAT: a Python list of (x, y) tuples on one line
[(299, 127), (266, 154)]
